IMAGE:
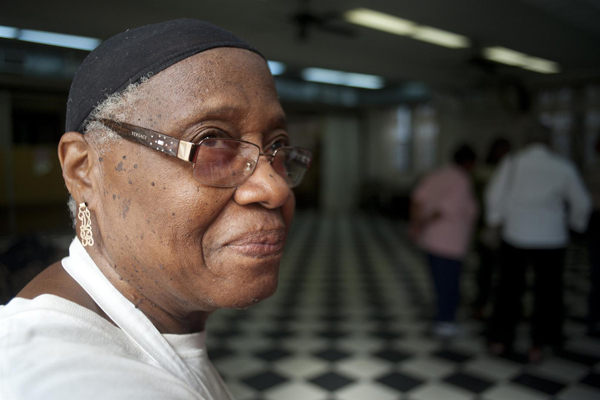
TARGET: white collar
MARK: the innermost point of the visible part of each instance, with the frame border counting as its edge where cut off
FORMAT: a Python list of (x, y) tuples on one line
[(130, 319)]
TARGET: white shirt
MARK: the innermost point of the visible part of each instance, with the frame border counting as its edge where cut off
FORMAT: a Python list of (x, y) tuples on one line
[(529, 195), (54, 349)]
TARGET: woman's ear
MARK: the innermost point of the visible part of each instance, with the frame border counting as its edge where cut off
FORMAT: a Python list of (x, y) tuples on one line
[(75, 156)]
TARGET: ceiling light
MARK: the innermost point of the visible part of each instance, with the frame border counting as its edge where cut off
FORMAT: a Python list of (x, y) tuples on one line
[(276, 67), (542, 66), (8, 32), (504, 56), (378, 20), (440, 37), (399, 26), (342, 78), (517, 59), (59, 39)]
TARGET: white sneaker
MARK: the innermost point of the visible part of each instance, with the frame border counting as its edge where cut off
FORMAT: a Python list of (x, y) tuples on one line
[(447, 330)]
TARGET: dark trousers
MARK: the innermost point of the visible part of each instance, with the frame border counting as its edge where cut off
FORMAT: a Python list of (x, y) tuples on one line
[(547, 317), (488, 260), (446, 280)]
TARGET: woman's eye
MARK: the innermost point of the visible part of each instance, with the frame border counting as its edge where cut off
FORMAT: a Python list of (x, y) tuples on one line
[(277, 145), (212, 134)]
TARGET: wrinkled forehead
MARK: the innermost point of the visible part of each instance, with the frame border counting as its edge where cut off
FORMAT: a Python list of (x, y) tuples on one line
[(222, 79)]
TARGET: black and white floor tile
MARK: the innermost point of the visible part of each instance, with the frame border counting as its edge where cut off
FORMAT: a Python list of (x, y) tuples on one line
[(350, 321)]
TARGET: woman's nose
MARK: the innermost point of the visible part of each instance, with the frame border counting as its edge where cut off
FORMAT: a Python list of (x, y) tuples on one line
[(264, 186)]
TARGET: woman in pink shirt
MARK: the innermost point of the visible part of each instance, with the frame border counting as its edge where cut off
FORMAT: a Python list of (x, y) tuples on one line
[(443, 214)]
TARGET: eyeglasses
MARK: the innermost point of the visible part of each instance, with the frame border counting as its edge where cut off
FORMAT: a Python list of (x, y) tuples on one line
[(219, 162)]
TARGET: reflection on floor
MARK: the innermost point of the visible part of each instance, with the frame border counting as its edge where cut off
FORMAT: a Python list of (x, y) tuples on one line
[(350, 321)]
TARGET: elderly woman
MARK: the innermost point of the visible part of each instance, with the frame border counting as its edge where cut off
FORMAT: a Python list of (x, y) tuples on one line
[(180, 170)]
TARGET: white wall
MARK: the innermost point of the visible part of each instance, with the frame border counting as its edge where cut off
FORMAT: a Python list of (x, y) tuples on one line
[(340, 164), (361, 148), (476, 119)]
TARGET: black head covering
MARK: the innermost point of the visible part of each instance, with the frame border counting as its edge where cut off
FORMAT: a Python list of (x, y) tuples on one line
[(136, 53)]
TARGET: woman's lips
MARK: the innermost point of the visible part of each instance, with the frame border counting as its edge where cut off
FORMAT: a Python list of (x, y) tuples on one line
[(259, 244)]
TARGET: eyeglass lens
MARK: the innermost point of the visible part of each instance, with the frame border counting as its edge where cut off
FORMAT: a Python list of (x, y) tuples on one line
[(224, 163), (228, 163), (291, 163)]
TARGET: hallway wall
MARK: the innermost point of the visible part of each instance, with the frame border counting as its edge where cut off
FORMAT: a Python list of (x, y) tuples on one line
[(476, 119), (339, 190)]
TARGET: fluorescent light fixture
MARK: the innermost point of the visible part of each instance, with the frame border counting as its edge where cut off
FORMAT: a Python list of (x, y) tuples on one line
[(505, 56), (441, 37), (8, 32), (58, 39), (342, 78), (381, 21), (517, 59), (54, 39), (276, 67), (403, 27), (542, 66)]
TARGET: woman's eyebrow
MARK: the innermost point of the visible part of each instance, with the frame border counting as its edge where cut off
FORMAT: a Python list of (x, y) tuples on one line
[(222, 112), (229, 112)]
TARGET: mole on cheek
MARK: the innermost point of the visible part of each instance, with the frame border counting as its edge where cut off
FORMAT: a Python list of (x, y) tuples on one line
[(119, 166), (125, 208), (135, 166)]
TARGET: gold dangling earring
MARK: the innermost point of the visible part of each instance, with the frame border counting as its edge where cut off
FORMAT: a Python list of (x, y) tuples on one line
[(85, 231)]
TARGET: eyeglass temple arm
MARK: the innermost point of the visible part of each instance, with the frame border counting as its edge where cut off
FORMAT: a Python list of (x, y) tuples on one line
[(155, 140)]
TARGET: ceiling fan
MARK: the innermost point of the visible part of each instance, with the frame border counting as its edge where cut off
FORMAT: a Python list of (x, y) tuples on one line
[(306, 21)]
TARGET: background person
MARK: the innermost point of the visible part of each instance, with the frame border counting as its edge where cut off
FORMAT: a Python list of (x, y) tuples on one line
[(443, 214), (488, 238), (529, 197)]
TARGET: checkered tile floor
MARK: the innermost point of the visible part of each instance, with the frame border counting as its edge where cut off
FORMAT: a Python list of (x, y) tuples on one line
[(350, 321)]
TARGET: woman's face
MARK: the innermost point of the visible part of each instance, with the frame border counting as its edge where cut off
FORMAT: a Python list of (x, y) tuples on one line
[(171, 240)]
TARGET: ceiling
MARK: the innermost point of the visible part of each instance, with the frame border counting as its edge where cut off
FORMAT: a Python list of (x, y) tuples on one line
[(564, 31)]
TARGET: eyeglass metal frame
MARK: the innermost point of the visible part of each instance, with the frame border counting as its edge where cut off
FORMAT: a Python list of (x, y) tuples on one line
[(187, 151)]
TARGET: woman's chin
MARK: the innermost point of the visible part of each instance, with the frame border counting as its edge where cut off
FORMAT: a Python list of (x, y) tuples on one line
[(252, 297)]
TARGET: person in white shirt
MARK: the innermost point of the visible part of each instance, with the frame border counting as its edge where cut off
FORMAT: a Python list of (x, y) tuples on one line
[(535, 196), (180, 171)]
